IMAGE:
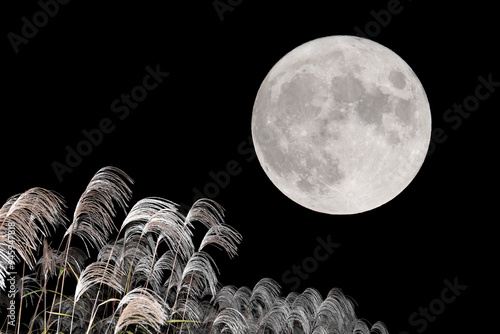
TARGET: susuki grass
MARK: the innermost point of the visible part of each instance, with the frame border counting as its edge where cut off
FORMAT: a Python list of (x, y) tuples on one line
[(149, 278)]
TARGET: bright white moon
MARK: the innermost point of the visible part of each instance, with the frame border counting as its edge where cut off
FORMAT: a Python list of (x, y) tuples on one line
[(341, 125)]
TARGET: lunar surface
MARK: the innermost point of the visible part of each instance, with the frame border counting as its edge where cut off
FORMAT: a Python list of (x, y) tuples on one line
[(341, 125)]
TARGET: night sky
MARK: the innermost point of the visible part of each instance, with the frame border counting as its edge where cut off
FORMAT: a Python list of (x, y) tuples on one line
[(75, 76)]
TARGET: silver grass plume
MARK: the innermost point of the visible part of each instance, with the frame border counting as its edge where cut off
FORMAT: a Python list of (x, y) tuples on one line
[(52, 261), (93, 217), (99, 273), (142, 307), (24, 220)]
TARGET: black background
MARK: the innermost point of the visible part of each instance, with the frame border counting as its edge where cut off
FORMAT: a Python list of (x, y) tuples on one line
[(392, 260)]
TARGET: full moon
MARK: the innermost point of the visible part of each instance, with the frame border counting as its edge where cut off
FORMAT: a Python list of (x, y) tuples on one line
[(341, 125)]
